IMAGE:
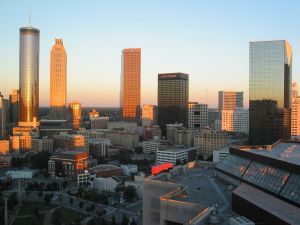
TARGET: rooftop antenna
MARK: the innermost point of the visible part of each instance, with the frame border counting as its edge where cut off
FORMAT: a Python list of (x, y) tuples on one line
[(29, 16)]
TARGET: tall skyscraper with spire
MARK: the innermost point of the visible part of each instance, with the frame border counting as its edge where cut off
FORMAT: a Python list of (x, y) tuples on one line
[(270, 82), (130, 92), (58, 81), (29, 75)]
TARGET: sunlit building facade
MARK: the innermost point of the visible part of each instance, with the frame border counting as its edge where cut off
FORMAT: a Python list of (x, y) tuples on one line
[(74, 112), (130, 91), (172, 98), (149, 115), (270, 77), (58, 81), (29, 74), (230, 100), (295, 121)]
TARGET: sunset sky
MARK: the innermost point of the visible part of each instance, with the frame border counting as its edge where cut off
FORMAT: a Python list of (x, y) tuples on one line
[(209, 40)]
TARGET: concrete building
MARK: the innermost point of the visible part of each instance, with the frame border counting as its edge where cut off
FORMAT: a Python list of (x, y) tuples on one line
[(58, 81), (130, 91), (208, 140), (151, 132), (99, 122), (175, 155), (94, 114), (180, 135), (92, 134), (220, 154), (150, 147), (127, 140), (105, 184), (106, 170), (234, 120), (172, 131), (54, 127), (230, 100), (137, 183), (75, 142), (99, 147), (128, 169), (4, 147), (197, 116), (83, 179), (123, 125), (149, 115), (213, 115), (68, 163), (42, 145)]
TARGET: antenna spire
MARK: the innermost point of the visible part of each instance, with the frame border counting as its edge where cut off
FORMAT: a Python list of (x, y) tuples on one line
[(29, 16)]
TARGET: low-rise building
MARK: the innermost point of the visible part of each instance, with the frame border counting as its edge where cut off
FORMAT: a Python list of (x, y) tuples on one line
[(42, 145), (99, 147), (68, 163), (95, 134), (175, 155), (150, 132), (105, 184), (128, 140), (76, 143), (123, 125), (105, 170), (220, 154), (83, 179), (99, 122), (128, 169), (152, 146), (208, 140)]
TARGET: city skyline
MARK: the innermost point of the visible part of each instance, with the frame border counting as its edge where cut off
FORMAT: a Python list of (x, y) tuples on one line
[(202, 44)]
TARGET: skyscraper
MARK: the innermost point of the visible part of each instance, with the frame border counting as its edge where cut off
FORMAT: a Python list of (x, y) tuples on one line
[(58, 81), (3, 116), (75, 114), (149, 115), (230, 100), (130, 91), (14, 106), (295, 121), (270, 76), (29, 75), (173, 98)]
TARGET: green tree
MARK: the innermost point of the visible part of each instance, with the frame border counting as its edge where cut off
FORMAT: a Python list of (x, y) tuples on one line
[(130, 193), (133, 222), (47, 199), (56, 217), (80, 204), (125, 220)]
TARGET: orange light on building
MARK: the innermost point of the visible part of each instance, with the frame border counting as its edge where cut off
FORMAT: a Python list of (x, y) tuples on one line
[(130, 94), (161, 168), (75, 111)]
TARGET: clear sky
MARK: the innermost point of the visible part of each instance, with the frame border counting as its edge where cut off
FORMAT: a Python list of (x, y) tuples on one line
[(209, 40)]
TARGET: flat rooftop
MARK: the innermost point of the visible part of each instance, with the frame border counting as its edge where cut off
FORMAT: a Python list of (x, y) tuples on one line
[(281, 209), (288, 152)]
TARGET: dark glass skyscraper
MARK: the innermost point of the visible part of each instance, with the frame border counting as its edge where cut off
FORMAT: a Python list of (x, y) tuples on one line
[(173, 98), (29, 74), (270, 76)]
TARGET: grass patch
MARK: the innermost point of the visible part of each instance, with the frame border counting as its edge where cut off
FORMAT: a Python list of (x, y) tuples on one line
[(28, 207), (68, 215)]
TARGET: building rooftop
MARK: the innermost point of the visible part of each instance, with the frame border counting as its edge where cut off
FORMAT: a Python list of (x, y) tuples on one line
[(285, 211), (104, 167), (288, 152)]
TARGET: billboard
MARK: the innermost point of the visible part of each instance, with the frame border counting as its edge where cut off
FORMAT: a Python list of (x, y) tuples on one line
[(161, 168)]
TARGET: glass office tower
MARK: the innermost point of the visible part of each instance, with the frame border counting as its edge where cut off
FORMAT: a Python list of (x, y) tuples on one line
[(29, 74), (270, 76), (172, 99), (130, 96)]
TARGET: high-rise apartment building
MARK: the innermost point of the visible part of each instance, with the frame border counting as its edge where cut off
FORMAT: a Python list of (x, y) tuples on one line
[(29, 75), (172, 98), (14, 106), (197, 116), (230, 100), (130, 91), (58, 81), (149, 115), (294, 91), (74, 112), (270, 76)]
